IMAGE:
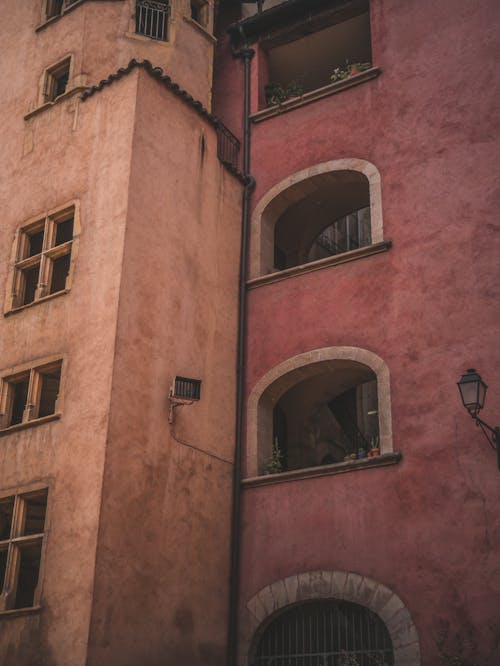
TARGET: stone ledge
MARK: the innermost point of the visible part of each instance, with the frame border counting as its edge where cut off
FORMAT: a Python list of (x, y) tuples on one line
[(44, 299), (313, 95), (60, 98), (203, 31), (16, 612), (335, 260), (325, 470), (30, 424)]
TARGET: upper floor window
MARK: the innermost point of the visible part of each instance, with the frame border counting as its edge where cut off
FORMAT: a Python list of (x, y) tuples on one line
[(333, 216), (325, 210), (151, 18), (55, 8), (325, 49), (200, 12), (30, 394), (22, 526), (56, 80), (43, 257)]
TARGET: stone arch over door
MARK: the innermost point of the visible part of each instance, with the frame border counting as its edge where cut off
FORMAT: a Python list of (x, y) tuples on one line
[(274, 383), (284, 193), (342, 585)]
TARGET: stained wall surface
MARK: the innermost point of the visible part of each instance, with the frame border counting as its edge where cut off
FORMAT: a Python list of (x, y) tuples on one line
[(47, 162), (428, 527), (161, 589)]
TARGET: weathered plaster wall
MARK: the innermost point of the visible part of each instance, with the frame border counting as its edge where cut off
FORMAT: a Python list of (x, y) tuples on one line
[(162, 569), (427, 528), (101, 37), (67, 152)]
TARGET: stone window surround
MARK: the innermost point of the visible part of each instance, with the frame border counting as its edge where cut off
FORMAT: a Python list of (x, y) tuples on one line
[(266, 213), (30, 366), (343, 585), (268, 390), (73, 204)]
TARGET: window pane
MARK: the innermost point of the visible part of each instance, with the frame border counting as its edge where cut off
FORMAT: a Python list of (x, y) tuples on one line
[(64, 231), (6, 511), (49, 392), (35, 243), (20, 396), (36, 507), (30, 278), (28, 575), (3, 567), (60, 82), (60, 270)]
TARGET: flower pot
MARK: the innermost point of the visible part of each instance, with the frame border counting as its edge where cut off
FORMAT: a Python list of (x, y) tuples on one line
[(374, 452), (361, 454)]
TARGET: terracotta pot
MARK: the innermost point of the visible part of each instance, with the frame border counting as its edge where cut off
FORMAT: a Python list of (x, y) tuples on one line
[(374, 452)]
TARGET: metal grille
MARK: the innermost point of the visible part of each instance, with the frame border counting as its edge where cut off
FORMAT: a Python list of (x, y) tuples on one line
[(186, 388), (326, 633), (151, 19), (228, 146)]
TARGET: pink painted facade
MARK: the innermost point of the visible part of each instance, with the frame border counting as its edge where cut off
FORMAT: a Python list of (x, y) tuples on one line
[(428, 527)]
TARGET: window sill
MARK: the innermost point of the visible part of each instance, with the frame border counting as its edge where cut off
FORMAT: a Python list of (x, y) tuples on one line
[(336, 259), (60, 98), (200, 29), (30, 424), (12, 311), (313, 95), (16, 612), (325, 470)]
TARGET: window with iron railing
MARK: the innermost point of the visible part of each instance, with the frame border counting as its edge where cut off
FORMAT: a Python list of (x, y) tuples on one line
[(151, 19)]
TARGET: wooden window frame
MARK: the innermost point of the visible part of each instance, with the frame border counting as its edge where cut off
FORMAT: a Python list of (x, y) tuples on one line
[(51, 75), (14, 544), (203, 8), (50, 252), (34, 374)]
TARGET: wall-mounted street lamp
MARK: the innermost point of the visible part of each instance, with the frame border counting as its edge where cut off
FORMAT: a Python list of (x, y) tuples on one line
[(473, 393)]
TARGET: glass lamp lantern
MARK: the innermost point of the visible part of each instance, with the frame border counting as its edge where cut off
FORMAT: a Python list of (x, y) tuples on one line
[(472, 391)]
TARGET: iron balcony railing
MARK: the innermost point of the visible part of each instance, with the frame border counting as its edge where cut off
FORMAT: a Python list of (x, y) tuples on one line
[(151, 19), (228, 146)]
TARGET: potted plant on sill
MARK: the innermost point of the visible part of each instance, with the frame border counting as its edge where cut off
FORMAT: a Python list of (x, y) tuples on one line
[(350, 69), (276, 94), (374, 447), (275, 464)]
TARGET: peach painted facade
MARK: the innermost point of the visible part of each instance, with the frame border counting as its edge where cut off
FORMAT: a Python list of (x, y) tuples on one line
[(130, 571)]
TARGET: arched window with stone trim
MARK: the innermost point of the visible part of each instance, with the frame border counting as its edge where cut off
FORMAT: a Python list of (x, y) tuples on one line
[(326, 632), (323, 211), (319, 408)]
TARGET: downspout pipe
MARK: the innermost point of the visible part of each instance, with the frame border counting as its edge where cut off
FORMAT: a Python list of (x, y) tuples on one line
[(245, 54)]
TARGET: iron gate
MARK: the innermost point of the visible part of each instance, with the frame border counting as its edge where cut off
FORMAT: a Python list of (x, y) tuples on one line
[(325, 633)]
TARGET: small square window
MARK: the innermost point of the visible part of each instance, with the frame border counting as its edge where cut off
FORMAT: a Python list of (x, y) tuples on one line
[(43, 258), (54, 8), (186, 388), (30, 395), (56, 80), (151, 18), (21, 516), (199, 12)]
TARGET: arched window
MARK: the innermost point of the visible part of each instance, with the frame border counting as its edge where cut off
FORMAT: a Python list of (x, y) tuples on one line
[(325, 633), (331, 217), (319, 408), (322, 211)]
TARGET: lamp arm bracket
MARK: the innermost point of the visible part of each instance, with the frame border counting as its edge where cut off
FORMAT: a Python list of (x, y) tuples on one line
[(494, 437)]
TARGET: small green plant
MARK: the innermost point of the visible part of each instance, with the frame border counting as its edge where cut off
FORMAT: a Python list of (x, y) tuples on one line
[(275, 464), (350, 69), (277, 94)]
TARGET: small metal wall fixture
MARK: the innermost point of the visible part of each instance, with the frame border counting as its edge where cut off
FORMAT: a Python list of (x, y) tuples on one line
[(473, 393), (184, 391)]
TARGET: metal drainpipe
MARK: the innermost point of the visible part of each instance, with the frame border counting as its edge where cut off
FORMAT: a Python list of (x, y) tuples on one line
[(246, 54)]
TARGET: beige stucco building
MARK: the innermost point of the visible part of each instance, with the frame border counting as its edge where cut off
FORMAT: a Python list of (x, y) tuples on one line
[(118, 272)]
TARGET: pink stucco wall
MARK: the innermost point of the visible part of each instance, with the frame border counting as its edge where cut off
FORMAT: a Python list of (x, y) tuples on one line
[(427, 528)]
